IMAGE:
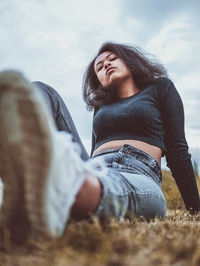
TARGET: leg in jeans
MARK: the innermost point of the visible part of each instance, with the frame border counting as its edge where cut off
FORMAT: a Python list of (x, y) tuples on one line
[(61, 114), (92, 187), (39, 165)]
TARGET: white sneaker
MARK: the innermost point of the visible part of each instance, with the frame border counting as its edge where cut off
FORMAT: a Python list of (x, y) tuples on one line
[(36, 156), (11, 171)]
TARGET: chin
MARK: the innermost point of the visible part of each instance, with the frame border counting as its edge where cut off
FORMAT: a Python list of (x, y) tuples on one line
[(115, 80)]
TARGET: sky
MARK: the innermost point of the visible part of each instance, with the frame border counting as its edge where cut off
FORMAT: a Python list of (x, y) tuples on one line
[(54, 40)]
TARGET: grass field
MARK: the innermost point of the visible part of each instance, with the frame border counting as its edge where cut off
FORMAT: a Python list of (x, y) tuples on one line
[(174, 240)]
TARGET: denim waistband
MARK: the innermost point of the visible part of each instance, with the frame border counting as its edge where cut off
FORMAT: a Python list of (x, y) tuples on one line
[(131, 159)]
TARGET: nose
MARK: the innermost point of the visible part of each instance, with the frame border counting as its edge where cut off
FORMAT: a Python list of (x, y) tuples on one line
[(107, 64)]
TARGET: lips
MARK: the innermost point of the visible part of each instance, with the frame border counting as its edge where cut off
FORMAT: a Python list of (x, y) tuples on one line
[(109, 69)]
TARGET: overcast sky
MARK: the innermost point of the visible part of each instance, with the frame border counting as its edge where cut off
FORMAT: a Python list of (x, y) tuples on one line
[(54, 40)]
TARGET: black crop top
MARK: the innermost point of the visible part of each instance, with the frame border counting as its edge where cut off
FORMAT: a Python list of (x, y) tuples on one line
[(154, 115)]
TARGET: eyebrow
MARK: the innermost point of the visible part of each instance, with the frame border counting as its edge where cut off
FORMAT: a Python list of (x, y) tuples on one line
[(105, 57)]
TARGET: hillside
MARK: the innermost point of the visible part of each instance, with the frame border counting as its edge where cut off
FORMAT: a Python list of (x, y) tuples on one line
[(171, 241)]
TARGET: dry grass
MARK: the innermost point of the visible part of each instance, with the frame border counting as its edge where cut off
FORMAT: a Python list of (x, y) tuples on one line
[(171, 241)]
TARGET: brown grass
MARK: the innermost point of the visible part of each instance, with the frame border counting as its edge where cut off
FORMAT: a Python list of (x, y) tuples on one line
[(171, 241)]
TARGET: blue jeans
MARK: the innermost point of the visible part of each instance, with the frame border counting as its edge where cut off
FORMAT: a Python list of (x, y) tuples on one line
[(132, 185), (60, 114)]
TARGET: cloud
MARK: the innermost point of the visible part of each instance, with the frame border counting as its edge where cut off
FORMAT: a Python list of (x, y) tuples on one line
[(51, 37), (154, 14), (188, 85), (53, 41)]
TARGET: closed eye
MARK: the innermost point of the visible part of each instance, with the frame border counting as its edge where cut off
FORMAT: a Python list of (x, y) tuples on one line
[(111, 58), (99, 68)]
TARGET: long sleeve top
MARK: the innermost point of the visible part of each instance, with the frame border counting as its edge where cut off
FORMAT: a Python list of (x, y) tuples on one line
[(154, 115)]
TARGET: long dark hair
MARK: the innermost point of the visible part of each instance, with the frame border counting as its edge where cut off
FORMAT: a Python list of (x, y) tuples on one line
[(144, 70)]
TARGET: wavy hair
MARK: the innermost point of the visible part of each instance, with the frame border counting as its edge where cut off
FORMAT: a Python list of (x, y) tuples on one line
[(144, 71)]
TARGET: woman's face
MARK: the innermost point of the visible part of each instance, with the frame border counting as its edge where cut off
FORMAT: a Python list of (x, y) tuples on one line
[(111, 69)]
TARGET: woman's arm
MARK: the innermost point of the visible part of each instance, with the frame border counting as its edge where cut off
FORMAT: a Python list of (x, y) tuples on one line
[(177, 156)]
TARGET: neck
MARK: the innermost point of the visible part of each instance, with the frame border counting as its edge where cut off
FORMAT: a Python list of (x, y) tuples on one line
[(127, 88)]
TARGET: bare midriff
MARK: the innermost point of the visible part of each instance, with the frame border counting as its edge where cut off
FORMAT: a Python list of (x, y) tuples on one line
[(152, 150)]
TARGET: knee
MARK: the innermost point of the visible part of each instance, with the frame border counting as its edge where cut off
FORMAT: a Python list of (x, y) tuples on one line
[(44, 88)]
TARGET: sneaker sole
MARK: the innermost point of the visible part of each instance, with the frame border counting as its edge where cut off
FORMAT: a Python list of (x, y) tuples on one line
[(10, 165), (24, 130)]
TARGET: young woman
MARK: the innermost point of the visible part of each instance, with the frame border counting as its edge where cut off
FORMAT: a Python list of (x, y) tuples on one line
[(138, 118)]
